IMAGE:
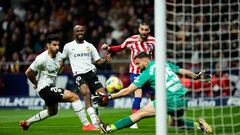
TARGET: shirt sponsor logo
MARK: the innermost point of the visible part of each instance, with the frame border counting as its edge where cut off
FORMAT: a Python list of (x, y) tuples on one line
[(82, 55)]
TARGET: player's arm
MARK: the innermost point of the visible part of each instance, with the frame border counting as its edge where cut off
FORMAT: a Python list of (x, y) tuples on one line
[(187, 73), (199, 76), (31, 76), (115, 48), (124, 92), (103, 99), (104, 60)]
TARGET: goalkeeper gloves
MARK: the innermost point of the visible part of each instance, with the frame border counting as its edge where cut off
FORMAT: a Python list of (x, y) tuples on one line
[(202, 76), (101, 99)]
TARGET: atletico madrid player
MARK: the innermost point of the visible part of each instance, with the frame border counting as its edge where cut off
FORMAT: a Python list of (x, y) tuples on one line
[(142, 42)]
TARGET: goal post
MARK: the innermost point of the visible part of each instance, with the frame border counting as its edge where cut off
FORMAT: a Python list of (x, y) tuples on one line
[(160, 56)]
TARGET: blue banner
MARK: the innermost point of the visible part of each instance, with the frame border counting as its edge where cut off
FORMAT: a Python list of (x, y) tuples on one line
[(125, 102)]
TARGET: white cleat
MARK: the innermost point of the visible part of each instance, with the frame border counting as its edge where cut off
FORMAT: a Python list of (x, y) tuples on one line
[(134, 126)]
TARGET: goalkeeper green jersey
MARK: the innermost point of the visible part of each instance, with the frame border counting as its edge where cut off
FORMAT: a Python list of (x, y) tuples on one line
[(175, 89)]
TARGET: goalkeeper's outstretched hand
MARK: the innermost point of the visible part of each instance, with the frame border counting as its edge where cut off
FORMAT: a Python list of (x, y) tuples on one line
[(202, 76), (101, 99)]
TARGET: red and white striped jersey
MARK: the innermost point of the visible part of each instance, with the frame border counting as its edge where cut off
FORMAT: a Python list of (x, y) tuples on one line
[(136, 46)]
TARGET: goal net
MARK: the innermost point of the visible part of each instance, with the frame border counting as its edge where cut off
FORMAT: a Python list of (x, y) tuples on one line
[(205, 34)]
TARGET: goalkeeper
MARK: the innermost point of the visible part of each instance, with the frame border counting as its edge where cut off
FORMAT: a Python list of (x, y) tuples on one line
[(175, 96)]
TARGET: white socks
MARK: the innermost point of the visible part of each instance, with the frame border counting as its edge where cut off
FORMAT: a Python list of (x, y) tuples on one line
[(80, 112), (93, 116), (38, 117)]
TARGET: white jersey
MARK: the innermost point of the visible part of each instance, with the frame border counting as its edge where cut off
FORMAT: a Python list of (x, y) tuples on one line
[(47, 69), (80, 56)]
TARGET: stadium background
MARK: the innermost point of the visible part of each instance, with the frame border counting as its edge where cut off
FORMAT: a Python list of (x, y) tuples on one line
[(25, 25), (192, 43)]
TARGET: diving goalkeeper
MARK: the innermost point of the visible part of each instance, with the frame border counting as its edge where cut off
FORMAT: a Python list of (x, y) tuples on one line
[(175, 96)]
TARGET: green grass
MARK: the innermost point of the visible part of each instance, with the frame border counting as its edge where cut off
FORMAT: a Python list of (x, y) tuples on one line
[(66, 122)]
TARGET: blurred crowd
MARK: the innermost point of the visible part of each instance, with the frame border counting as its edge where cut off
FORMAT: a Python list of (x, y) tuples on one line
[(192, 41), (205, 34), (25, 24)]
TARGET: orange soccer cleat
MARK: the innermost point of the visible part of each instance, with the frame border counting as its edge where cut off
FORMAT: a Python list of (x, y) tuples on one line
[(89, 127), (24, 125)]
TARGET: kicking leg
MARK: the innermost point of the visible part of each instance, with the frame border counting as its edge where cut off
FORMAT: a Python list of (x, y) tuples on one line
[(78, 109), (50, 111), (84, 89)]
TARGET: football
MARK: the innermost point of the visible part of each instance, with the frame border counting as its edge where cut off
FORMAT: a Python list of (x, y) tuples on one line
[(113, 84)]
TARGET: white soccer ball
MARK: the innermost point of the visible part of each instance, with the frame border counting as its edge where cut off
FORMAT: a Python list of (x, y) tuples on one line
[(114, 84)]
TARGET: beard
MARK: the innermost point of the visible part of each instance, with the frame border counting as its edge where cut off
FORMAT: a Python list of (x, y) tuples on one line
[(141, 69), (80, 38), (144, 37)]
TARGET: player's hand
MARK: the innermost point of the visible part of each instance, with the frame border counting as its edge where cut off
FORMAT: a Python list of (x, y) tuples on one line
[(108, 57), (105, 47), (202, 76), (101, 99)]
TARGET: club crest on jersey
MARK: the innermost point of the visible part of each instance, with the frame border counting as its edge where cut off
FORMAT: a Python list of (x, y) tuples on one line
[(88, 49)]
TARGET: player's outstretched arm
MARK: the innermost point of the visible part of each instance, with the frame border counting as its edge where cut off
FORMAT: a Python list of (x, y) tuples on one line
[(125, 91), (103, 99), (199, 76), (105, 47), (115, 48), (188, 73)]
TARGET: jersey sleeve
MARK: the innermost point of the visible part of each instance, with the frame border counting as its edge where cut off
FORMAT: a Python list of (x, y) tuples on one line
[(173, 67), (115, 48), (141, 79), (65, 52), (126, 43), (37, 64), (95, 54)]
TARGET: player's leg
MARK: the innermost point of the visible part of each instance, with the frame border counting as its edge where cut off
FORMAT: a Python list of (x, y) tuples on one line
[(176, 106), (137, 98), (95, 105), (88, 84), (147, 111), (85, 91), (50, 111), (78, 109), (51, 96), (136, 104), (178, 120)]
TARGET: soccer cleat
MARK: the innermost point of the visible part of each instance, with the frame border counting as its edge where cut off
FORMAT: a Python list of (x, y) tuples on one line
[(105, 128), (205, 127), (24, 125), (89, 127), (134, 126)]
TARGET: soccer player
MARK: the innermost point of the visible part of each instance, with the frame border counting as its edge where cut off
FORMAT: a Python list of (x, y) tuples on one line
[(47, 65), (81, 53), (136, 43), (175, 96)]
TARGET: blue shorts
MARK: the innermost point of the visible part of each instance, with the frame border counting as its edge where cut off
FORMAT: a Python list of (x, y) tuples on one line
[(147, 90)]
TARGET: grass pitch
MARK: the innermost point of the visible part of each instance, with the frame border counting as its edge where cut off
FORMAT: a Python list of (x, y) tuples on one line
[(67, 123)]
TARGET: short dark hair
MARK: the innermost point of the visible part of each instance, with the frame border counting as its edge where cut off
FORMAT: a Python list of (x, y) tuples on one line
[(141, 55), (52, 37), (144, 23)]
